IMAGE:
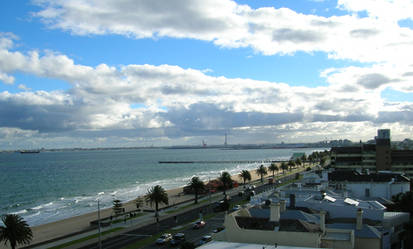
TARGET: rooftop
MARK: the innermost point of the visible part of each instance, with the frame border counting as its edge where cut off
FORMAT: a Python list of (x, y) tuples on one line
[(354, 176), (232, 245), (367, 231)]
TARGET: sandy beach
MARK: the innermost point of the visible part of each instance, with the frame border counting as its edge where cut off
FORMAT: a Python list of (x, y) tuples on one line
[(75, 224)]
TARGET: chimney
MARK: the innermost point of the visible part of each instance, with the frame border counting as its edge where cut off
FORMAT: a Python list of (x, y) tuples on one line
[(323, 220), (292, 200), (283, 206), (359, 220), (275, 212)]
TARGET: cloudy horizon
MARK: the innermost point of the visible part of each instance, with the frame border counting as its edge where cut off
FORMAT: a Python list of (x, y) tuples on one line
[(76, 73)]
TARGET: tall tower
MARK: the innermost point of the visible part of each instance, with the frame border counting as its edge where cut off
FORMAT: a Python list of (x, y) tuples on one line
[(225, 142), (383, 150)]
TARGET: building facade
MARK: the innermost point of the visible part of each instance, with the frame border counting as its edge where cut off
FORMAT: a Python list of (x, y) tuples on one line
[(377, 157)]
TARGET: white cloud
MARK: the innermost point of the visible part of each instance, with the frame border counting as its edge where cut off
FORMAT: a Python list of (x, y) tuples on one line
[(225, 23), (177, 102), (385, 9)]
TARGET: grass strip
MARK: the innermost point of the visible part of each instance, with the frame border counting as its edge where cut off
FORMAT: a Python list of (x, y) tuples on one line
[(85, 238)]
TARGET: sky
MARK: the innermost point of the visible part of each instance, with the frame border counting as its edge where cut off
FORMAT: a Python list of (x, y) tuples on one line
[(110, 73)]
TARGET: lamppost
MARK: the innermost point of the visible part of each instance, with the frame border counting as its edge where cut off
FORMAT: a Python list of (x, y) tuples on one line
[(100, 238)]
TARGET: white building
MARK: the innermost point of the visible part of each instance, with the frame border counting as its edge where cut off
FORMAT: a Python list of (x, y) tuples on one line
[(364, 186)]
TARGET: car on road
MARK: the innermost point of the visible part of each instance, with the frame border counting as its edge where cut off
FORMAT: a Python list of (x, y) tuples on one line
[(251, 187), (221, 206), (177, 239), (199, 224), (165, 238), (205, 239)]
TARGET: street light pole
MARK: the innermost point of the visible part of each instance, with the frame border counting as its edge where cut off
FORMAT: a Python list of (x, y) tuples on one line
[(100, 239)]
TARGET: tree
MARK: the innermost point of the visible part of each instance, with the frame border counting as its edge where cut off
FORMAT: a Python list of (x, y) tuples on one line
[(117, 207), (226, 180), (245, 176), (298, 162), (156, 195), (15, 230), (262, 171), (273, 167), (291, 164), (403, 202), (197, 185), (304, 159), (284, 166)]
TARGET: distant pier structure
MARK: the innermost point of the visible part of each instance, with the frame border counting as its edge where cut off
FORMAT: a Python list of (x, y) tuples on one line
[(225, 161)]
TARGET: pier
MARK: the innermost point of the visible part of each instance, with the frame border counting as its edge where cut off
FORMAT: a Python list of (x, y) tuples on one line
[(231, 162)]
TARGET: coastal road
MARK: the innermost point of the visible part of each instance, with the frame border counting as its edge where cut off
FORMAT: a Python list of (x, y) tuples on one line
[(193, 235), (168, 223)]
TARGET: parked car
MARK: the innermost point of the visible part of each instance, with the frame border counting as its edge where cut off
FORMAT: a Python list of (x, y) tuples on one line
[(198, 224), (165, 238), (205, 239), (177, 239), (218, 229), (236, 207)]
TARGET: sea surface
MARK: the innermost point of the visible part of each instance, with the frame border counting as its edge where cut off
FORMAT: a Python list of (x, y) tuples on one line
[(51, 186)]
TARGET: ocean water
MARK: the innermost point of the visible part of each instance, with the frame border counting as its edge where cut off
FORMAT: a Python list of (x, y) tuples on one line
[(51, 186)]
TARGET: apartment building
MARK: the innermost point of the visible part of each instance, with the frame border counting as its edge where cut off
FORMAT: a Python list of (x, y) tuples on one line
[(376, 157)]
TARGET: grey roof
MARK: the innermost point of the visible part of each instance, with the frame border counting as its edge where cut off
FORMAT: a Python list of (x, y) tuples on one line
[(256, 223), (367, 231), (298, 226), (231, 245), (287, 215)]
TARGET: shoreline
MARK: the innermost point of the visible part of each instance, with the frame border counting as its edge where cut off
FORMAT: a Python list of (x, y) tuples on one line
[(76, 224)]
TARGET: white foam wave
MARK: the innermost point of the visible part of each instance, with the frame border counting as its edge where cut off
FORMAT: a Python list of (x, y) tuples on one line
[(20, 212)]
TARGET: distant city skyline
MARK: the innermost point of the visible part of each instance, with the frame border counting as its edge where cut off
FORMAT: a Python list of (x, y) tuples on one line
[(77, 73)]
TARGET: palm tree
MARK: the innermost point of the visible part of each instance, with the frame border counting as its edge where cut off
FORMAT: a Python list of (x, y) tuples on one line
[(197, 185), (304, 159), (291, 164), (298, 162), (284, 167), (262, 171), (158, 195), (226, 180), (273, 167), (245, 176), (15, 230)]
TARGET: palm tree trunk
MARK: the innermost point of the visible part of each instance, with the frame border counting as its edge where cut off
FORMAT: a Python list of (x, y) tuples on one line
[(156, 212), (196, 197)]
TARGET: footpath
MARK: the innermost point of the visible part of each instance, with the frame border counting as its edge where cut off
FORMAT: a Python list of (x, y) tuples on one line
[(122, 227)]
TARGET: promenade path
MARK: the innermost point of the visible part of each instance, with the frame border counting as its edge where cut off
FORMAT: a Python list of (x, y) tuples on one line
[(148, 218)]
